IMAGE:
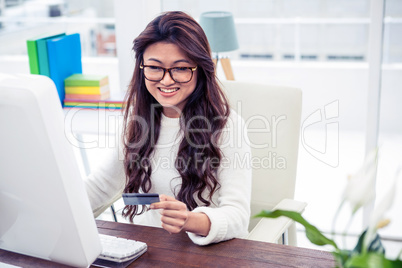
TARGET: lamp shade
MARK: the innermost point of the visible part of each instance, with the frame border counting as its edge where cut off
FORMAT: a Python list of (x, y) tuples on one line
[(220, 30)]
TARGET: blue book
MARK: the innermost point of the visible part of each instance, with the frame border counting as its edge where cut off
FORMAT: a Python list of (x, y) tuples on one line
[(42, 54), (64, 54)]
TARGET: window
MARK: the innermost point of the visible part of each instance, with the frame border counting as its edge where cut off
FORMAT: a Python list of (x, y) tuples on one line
[(24, 19), (313, 30)]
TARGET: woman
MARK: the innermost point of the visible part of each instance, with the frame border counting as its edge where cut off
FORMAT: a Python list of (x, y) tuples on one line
[(181, 140)]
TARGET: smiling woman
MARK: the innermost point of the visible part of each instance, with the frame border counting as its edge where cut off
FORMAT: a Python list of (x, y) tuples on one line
[(174, 99)]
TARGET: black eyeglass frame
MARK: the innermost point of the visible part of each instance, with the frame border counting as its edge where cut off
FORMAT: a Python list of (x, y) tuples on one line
[(193, 69)]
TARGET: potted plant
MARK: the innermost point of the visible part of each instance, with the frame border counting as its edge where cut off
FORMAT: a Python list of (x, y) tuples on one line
[(360, 190)]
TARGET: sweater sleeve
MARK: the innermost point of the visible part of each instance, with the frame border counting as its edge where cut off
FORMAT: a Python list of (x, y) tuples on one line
[(107, 180), (230, 217)]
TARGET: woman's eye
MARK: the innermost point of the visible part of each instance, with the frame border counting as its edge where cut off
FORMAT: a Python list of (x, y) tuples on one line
[(154, 67), (181, 68)]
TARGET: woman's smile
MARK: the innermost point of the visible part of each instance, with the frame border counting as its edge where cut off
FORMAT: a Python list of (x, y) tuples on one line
[(168, 90)]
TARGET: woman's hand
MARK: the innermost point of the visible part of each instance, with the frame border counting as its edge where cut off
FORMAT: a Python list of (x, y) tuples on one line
[(176, 218), (174, 213)]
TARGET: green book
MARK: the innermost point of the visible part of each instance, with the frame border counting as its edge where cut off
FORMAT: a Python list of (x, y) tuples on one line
[(86, 80), (43, 59), (37, 54), (33, 56)]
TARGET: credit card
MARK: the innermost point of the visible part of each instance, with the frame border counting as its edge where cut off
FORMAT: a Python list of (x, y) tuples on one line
[(140, 199)]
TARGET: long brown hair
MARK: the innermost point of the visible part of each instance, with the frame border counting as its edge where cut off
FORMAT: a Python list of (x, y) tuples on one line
[(142, 116)]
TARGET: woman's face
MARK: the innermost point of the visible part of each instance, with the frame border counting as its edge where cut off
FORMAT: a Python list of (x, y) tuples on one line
[(170, 94)]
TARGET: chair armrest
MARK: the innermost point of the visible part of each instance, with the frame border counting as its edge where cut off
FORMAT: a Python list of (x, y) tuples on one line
[(270, 230)]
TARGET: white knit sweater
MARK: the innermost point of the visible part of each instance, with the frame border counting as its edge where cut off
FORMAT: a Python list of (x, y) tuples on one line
[(229, 212)]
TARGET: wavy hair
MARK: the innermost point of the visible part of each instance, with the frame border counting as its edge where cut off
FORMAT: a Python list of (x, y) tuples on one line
[(206, 108)]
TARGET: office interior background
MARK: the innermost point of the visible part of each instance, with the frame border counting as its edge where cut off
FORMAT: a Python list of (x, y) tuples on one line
[(320, 46)]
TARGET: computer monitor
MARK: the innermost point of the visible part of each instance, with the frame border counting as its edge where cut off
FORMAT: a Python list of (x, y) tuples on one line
[(44, 208)]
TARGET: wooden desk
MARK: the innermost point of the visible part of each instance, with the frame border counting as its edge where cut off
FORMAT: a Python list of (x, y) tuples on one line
[(165, 250)]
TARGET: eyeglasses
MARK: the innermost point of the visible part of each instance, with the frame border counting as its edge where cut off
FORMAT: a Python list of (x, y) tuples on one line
[(178, 74)]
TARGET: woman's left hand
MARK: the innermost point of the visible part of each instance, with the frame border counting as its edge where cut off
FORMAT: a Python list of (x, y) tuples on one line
[(174, 213)]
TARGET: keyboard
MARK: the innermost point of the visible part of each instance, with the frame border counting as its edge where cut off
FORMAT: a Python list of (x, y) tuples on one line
[(119, 250)]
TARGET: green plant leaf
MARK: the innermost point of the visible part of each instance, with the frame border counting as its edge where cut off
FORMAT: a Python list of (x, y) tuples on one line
[(341, 257), (372, 260), (312, 233), (375, 245)]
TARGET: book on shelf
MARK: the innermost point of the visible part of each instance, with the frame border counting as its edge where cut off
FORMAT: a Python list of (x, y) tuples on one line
[(86, 80), (64, 54), (32, 51), (95, 97), (37, 53), (109, 104), (79, 87), (116, 101), (99, 104), (43, 55), (87, 90)]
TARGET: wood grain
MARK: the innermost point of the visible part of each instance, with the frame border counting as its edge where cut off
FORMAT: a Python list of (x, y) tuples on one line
[(177, 250)]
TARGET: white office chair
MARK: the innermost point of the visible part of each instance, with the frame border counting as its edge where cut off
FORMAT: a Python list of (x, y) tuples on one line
[(278, 111)]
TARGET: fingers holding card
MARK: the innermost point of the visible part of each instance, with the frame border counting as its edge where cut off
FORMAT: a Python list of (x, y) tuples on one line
[(174, 213)]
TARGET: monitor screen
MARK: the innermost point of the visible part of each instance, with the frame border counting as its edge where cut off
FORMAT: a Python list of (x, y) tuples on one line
[(45, 211)]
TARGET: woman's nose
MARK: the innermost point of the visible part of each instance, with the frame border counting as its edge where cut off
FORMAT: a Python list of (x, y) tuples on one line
[(167, 79)]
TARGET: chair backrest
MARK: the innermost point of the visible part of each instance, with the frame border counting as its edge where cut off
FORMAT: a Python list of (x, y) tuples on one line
[(272, 115)]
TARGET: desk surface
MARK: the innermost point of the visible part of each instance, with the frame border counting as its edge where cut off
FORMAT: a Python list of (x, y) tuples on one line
[(178, 251)]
